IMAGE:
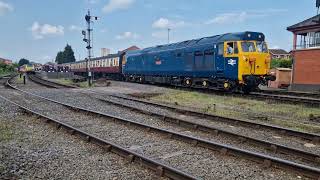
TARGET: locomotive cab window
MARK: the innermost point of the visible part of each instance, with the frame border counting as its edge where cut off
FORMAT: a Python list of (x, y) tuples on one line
[(231, 48), (248, 47), (262, 47)]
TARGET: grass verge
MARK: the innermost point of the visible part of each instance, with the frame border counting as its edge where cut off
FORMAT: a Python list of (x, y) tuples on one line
[(285, 115), (70, 82)]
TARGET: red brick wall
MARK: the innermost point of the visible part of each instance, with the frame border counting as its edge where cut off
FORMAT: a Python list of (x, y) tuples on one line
[(283, 78), (307, 66)]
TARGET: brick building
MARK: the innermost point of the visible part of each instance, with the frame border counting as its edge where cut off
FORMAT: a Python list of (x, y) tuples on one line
[(279, 54), (5, 61), (306, 55)]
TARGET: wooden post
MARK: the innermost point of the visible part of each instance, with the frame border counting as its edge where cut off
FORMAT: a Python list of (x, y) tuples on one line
[(294, 41)]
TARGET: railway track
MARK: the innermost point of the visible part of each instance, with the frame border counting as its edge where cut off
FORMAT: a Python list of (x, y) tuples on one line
[(224, 149), (268, 146), (292, 98), (308, 99), (287, 98), (48, 83), (131, 156), (307, 136), (291, 93)]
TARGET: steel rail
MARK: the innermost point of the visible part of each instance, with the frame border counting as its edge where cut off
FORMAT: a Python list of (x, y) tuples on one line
[(292, 93), (48, 83), (292, 99), (308, 136), (274, 147), (160, 168), (253, 95), (267, 161)]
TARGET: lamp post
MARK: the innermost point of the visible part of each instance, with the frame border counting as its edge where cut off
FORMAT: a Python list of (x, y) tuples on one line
[(87, 39)]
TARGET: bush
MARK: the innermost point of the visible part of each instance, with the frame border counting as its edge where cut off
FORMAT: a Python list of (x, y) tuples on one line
[(281, 63), (7, 69)]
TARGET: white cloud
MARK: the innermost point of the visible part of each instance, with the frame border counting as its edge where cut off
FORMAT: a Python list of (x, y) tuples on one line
[(75, 28), (239, 17), (229, 18), (164, 23), (40, 31), (5, 8), (114, 5), (127, 35)]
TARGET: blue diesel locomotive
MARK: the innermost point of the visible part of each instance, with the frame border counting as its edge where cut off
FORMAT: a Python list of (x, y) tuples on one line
[(230, 62)]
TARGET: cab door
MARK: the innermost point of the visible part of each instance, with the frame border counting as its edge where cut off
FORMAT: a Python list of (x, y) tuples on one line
[(220, 60), (231, 55)]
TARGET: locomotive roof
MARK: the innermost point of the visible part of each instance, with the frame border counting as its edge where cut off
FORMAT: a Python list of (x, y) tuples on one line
[(244, 36)]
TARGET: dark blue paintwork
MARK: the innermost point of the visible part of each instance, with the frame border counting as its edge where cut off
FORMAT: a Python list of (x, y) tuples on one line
[(195, 58)]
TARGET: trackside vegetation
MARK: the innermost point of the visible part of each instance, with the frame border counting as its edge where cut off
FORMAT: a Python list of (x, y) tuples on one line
[(6, 69), (281, 63), (285, 115)]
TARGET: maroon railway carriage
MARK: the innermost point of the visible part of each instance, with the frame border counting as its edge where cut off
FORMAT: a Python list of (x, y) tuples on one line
[(106, 66)]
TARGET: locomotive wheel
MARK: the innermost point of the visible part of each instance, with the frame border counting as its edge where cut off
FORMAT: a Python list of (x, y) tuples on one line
[(226, 85), (141, 80), (205, 83), (188, 82)]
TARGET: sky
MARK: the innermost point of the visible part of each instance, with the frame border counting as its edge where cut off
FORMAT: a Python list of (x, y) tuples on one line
[(38, 29)]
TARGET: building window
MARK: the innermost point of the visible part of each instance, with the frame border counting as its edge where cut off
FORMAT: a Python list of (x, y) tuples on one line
[(309, 40)]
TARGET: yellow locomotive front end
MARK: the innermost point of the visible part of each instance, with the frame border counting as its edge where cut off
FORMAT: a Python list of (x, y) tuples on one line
[(254, 64)]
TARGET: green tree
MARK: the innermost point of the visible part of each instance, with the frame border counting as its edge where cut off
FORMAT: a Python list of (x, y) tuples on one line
[(68, 54), (65, 56), (60, 57), (281, 63), (6, 69), (23, 62)]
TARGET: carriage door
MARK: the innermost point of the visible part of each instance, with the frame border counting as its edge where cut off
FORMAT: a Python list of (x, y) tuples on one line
[(220, 64)]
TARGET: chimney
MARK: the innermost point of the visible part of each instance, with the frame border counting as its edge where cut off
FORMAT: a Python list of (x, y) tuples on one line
[(105, 52)]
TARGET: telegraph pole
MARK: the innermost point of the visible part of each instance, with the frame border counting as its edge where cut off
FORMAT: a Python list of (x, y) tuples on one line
[(87, 39)]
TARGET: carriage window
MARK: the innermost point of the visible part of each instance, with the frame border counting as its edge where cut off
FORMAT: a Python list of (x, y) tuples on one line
[(179, 54)]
